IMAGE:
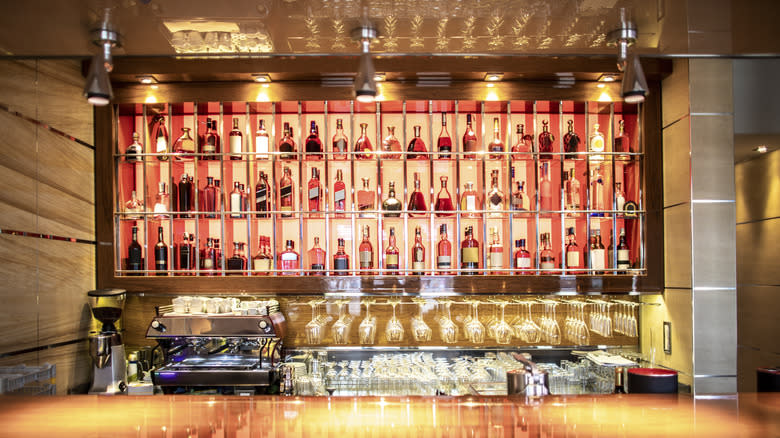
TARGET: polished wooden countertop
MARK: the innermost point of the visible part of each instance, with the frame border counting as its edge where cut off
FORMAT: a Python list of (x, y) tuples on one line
[(748, 414)]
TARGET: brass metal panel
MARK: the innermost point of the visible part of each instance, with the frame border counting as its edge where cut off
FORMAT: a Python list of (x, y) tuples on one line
[(711, 86), (677, 162), (675, 306), (19, 289), (677, 246), (675, 102), (715, 332), (712, 157), (758, 188), (757, 321), (713, 241), (758, 253)]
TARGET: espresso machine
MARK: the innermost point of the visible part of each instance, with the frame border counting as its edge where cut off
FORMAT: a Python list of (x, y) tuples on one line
[(105, 346)]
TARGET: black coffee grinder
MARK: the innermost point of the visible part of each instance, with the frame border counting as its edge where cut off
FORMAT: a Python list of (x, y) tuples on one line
[(105, 347)]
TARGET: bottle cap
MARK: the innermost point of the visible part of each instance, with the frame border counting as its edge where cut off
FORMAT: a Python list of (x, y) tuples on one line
[(341, 241), (571, 230), (290, 243), (442, 228), (522, 242)]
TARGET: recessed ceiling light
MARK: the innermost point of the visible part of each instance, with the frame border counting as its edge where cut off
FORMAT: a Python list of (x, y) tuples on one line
[(762, 149), (600, 85), (146, 79), (607, 77), (494, 77), (261, 78), (379, 77)]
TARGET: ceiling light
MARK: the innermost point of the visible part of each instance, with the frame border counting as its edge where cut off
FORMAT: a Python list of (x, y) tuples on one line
[(147, 79), (634, 86), (264, 78), (365, 84), (379, 77), (493, 77), (97, 88), (761, 149), (608, 77)]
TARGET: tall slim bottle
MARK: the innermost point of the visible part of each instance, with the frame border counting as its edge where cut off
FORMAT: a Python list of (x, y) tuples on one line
[(236, 141), (135, 260), (339, 194), (235, 200), (443, 252), (286, 202), (495, 252), (546, 257), (469, 253), (444, 142), (545, 190), (315, 191), (184, 259), (261, 195), (339, 142), (159, 135), (597, 258), (623, 253), (622, 142), (418, 253), (496, 145), (287, 144), (262, 141), (317, 258), (391, 254), (573, 259), (470, 145), (160, 254), (495, 196), (341, 260), (313, 143), (366, 252)]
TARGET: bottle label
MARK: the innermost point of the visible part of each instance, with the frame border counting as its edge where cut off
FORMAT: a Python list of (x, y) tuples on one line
[(471, 202), (289, 256), (162, 145), (262, 264), (391, 261), (340, 195), (496, 201), (211, 145), (417, 255), (341, 264), (314, 193), (418, 266), (620, 202), (496, 260), (443, 261), (366, 258), (547, 263), (340, 145), (365, 204), (597, 259), (470, 255), (470, 146), (184, 257), (261, 145), (260, 197), (235, 202), (235, 144), (208, 263), (572, 259), (623, 261), (317, 267), (597, 144), (523, 262)]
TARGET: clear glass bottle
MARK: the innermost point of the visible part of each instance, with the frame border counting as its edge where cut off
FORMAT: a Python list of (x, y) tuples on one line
[(315, 191), (161, 254), (313, 143), (392, 204), (470, 145), (573, 259), (597, 192), (417, 149), (289, 260), (391, 254), (470, 202), (519, 198), (340, 143), (495, 253), (596, 144), (339, 194), (522, 146), (366, 199), (572, 188), (286, 201), (623, 253), (571, 141), (546, 140), (135, 260), (209, 198), (161, 208), (546, 256), (545, 189), (261, 195), (287, 144), (469, 253), (418, 253), (235, 200), (495, 196), (159, 135), (444, 205), (443, 252), (444, 142), (184, 146), (134, 151), (417, 199), (236, 141), (363, 145), (133, 207), (262, 141), (341, 260), (317, 258), (620, 199), (366, 252), (496, 145), (522, 257), (390, 145)]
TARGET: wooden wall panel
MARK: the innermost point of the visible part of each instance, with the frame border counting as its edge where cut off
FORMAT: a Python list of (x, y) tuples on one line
[(17, 86), (61, 102), (17, 200), (18, 289)]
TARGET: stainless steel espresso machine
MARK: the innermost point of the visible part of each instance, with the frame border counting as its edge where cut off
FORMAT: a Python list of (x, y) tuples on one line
[(105, 346), (225, 353)]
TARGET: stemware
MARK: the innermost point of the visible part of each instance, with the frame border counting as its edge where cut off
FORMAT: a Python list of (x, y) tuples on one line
[(474, 329), (340, 329), (420, 330), (394, 331), (367, 327), (314, 328), (502, 331), (448, 330)]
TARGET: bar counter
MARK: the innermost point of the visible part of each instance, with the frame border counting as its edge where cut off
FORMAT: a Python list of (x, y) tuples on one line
[(744, 415)]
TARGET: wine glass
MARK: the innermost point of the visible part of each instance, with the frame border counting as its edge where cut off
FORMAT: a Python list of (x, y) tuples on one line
[(493, 321), (341, 327), (367, 327), (502, 330), (314, 328), (448, 330), (420, 330), (394, 331), (475, 330)]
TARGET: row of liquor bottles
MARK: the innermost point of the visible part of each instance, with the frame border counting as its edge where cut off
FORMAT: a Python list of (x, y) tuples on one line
[(188, 198), (209, 259), (209, 144)]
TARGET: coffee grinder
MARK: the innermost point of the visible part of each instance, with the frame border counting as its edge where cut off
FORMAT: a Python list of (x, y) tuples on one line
[(105, 346)]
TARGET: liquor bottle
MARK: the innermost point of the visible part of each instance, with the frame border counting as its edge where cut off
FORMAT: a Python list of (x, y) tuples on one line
[(596, 143), (317, 258), (363, 144), (159, 135), (245, 194), (522, 257), (366, 252), (495, 196), (443, 252), (524, 144), (597, 192), (392, 203), (596, 258), (623, 253), (315, 191), (571, 142), (545, 190), (210, 197), (287, 144), (391, 254), (261, 194), (210, 141), (235, 200), (133, 207), (220, 198), (444, 205), (134, 151), (519, 198), (417, 199), (469, 201), (610, 251), (184, 146), (620, 199), (572, 187), (469, 252), (339, 142), (193, 194), (418, 253), (339, 194), (262, 141), (218, 255), (208, 258), (341, 260), (184, 259), (161, 203), (546, 140), (546, 257), (313, 143), (286, 203), (470, 140), (135, 260), (289, 260), (236, 262), (236, 141), (391, 145), (622, 142), (366, 199), (444, 142), (572, 252), (261, 262), (495, 252), (496, 145), (417, 149), (160, 254), (185, 194)]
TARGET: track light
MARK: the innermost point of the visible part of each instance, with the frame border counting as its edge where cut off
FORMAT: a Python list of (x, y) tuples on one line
[(365, 81), (634, 83), (97, 89)]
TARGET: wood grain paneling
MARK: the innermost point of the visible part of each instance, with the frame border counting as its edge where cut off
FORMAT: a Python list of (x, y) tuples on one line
[(17, 200), (17, 86), (18, 288), (74, 366)]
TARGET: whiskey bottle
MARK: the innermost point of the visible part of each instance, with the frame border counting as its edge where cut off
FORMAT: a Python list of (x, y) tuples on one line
[(495, 253), (391, 147), (546, 257), (208, 257), (287, 144), (469, 253), (210, 197), (470, 146), (339, 194), (160, 137), (237, 262), (235, 200), (313, 143), (417, 199), (417, 149), (363, 145), (496, 145), (341, 260), (366, 252), (572, 252), (210, 147), (135, 260), (546, 140), (444, 205), (495, 196), (261, 262), (286, 203), (339, 142), (289, 260), (571, 142), (134, 151), (418, 253), (392, 204), (622, 142), (161, 254), (444, 142), (443, 252), (522, 257), (623, 253), (261, 195), (317, 258), (469, 201), (185, 255), (185, 195), (597, 257), (366, 199), (262, 141), (391, 254), (315, 191), (184, 146), (236, 141)]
